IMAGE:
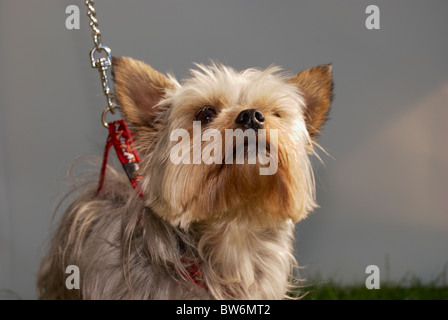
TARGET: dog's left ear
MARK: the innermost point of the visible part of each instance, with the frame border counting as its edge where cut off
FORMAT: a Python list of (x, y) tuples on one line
[(316, 84)]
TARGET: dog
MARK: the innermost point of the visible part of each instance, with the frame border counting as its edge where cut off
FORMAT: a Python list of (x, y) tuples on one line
[(199, 229)]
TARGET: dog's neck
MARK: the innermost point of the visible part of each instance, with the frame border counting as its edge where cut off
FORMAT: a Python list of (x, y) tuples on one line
[(230, 259), (241, 261)]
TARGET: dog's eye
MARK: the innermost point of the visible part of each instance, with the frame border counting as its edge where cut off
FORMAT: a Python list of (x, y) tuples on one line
[(206, 114), (277, 114)]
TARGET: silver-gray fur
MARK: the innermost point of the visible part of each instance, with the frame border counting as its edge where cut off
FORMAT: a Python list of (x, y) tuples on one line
[(125, 251)]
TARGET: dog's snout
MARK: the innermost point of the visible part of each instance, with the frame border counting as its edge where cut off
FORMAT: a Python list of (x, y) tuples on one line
[(250, 119)]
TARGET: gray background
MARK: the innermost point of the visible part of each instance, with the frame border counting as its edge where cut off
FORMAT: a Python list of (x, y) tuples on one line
[(383, 190)]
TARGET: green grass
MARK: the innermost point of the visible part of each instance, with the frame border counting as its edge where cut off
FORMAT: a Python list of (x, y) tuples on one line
[(386, 292), (410, 287)]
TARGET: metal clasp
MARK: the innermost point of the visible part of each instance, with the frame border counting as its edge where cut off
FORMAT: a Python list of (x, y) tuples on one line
[(104, 62), (103, 115)]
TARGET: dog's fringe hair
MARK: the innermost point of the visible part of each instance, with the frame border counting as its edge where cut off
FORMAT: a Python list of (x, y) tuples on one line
[(125, 251)]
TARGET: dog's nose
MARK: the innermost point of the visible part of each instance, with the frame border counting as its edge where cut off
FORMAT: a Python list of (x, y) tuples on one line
[(250, 119)]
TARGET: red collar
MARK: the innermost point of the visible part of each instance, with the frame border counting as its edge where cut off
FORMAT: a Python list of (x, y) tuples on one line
[(121, 138), (194, 272)]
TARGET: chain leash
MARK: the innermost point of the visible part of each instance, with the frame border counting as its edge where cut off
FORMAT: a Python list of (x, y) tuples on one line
[(101, 63)]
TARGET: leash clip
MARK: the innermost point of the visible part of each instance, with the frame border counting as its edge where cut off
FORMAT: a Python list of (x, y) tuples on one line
[(103, 64)]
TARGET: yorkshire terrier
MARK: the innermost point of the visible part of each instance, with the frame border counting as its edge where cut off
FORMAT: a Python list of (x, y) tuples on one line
[(200, 229)]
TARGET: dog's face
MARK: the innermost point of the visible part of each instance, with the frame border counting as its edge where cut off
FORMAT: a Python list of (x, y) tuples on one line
[(190, 163)]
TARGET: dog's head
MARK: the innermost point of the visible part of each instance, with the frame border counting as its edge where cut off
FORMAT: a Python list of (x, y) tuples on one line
[(225, 145)]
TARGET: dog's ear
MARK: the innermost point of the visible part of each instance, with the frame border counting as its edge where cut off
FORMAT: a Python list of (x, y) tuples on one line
[(139, 88), (316, 84)]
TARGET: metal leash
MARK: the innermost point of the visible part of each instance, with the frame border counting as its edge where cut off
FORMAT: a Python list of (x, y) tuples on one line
[(101, 63)]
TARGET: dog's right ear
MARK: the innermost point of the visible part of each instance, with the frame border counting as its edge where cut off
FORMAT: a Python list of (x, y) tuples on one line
[(139, 88)]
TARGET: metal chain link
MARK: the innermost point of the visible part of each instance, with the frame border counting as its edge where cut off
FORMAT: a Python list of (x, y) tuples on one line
[(93, 23), (102, 63)]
